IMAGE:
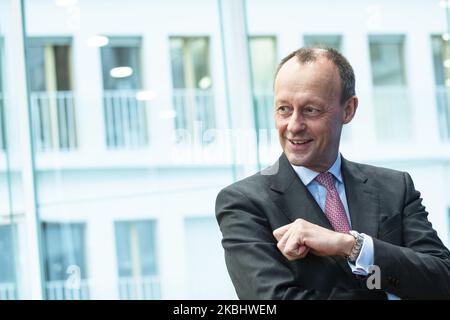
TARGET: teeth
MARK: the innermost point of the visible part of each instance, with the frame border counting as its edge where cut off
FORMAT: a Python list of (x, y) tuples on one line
[(299, 142)]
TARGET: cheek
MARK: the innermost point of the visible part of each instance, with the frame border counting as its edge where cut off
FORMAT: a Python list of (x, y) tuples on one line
[(280, 124)]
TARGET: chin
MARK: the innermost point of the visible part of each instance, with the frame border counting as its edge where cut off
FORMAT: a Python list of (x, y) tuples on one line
[(297, 160)]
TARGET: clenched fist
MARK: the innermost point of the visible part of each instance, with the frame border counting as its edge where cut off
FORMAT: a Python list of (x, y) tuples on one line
[(297, 239)]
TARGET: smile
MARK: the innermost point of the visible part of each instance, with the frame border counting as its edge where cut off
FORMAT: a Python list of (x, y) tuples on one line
[(299, 142)]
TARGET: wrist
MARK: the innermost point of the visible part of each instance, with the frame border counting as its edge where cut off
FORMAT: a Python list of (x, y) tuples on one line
[(347, 244)]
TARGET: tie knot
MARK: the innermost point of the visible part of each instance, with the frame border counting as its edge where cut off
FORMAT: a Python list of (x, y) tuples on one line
[(326, 179)]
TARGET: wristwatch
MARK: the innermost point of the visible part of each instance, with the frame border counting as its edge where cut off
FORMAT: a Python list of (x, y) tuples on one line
[(354, 253)]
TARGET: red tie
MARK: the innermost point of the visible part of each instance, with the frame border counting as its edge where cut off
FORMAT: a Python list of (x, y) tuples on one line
[(334, 209)]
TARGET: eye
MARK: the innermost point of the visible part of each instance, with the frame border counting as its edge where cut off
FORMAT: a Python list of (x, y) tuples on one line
[(311, 110), (283, 110)]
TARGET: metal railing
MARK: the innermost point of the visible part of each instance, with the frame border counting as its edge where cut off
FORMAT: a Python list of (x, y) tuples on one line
[(60, 290), (53, 115), (194, 112), (8, 291), (393, 113), (125, 119), (144, 288), (443, 109)]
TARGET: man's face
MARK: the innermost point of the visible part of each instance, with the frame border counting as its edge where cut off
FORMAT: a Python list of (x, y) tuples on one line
[(308, 112)]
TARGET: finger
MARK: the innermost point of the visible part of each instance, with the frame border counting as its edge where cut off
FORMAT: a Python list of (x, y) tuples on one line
[(305, 252), (302, 250), (292, 257), (282, 242), (279, 232), (294, 246)]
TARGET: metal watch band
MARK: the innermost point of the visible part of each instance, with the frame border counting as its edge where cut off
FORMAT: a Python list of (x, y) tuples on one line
[(357, 247)]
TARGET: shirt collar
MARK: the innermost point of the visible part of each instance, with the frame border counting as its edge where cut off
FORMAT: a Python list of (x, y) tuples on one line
[(308, 175)]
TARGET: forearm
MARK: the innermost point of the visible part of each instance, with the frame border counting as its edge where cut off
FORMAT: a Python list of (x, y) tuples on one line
[(277, 281), (411, 274)]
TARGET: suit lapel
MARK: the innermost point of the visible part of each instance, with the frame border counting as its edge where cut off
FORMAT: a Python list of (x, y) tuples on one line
[(293, 198), (363, 204), (295, 201)]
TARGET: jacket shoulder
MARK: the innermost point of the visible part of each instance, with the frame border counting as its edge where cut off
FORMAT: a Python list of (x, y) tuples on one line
[(255, 183), (381, 175)]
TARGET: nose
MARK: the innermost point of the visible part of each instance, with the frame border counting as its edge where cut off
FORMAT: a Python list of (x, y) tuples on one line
[(296, 123)]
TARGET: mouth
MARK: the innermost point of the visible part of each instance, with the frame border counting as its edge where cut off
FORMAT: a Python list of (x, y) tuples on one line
[(299, 142)]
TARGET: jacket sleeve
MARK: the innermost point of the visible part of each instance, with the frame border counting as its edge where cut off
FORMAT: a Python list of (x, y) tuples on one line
[(256, 267), (420, 267)]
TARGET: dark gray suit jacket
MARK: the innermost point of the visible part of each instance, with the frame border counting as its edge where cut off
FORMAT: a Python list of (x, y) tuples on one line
[(382, 203)]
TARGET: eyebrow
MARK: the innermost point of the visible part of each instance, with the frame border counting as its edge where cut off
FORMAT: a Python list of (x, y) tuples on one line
[(314, 101), (282, 101)]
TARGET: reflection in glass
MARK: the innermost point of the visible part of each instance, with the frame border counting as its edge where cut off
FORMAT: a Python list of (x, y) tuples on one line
[(136, 257), (8, 227), (65, 249), (52, 100), (2, 117), (191, 79), (7, 265), (441, 64), (391, 97), (327, 41), (263, 64), (125, 115)]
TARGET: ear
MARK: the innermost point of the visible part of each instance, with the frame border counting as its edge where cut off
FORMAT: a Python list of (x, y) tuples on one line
[(350, 109)]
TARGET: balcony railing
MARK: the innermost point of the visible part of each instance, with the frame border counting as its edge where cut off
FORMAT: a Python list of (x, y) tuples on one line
[(8, 291), (145, 288), (53, 117), (443, 105), (393, 113), (59, 290), (125, 119), (194, 109)]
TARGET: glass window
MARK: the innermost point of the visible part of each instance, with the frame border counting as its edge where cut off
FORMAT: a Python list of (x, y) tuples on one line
[(128, 81), (111, 82), (441, 65), (387, 60), (192, 85), (136, 258), (13, 255), (52, 99), (263, 64), (263, 53), (125, 114), (391, 97), (2, 126), (65, 260), (7, 264), (121, 63), (327, 41)]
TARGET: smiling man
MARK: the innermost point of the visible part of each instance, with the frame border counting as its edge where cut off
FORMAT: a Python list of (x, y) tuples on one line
[(314, 224)]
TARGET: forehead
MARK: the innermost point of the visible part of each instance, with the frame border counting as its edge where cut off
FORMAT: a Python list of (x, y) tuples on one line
[(320, 75)]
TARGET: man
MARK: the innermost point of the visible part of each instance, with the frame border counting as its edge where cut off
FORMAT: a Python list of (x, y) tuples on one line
[(313, 225)]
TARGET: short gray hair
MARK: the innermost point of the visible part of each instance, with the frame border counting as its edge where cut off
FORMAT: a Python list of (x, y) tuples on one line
[(305, 55)]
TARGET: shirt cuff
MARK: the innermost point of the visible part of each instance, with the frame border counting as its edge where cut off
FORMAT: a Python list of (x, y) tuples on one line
[(365, 258)]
